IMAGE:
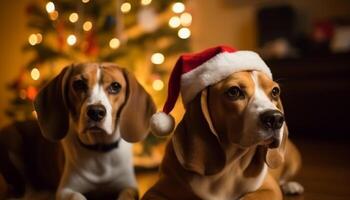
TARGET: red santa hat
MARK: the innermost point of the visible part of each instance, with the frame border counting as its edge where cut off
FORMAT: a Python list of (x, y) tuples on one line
[(194, 72)]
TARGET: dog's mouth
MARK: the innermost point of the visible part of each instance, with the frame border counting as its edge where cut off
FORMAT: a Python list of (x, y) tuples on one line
[(94, 129), (271, 143)]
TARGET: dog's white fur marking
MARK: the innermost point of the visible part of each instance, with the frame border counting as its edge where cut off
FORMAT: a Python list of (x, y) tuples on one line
[(86, 170), (257, 105), (265, 102), (260, 100), (292, 187), (99, 96)]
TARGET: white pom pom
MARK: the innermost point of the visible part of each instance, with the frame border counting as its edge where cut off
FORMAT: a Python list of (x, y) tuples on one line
[(162, 124)]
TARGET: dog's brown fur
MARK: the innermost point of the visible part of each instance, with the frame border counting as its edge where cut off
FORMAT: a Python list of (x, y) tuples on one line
[(220, 163)]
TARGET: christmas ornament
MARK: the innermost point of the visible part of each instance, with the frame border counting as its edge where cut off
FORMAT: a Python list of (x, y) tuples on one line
[(194, 72)]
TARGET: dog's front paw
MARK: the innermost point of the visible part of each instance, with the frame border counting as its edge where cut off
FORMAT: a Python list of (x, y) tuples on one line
[(128, 194), (292, 188), (76, 196), (68, 194)]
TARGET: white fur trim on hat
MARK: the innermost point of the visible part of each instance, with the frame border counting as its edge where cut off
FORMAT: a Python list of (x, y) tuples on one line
[(218, 68), (162, 124)]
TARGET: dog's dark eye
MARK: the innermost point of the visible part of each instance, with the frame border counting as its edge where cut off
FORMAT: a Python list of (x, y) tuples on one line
[(114, 88), (234, 93), (79, 85), (275, 92)]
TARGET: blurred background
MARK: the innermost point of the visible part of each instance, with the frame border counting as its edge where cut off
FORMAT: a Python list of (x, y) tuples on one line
[(306, 44)]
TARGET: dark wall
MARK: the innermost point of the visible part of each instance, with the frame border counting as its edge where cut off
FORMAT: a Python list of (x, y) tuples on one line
[(315, 94)]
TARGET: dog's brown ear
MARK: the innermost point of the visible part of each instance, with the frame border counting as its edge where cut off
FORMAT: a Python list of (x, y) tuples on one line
[(136, 112), (51, 107), (275, 157), (195, 146)]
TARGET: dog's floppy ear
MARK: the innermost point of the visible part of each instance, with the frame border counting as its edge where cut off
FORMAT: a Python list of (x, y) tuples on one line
[(275, 157), (136, 112), (195, 146), (51, 107)]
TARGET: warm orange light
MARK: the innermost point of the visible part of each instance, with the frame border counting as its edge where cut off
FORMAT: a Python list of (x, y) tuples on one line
[(186, 19), (53, 15), (35, 74), (157, 58), (158, 85), (71, 40), (146, 2), (174, 22), (184, 33), (31, 92), (114, 43), (178, 7), (73, 17), (125, 7), (87, 26), (50, 7)]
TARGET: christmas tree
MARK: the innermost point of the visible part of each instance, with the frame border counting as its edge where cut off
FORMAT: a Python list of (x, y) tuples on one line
[(143, 36)]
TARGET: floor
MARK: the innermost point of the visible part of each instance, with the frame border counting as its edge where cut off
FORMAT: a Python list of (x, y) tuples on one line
[(325, 174)]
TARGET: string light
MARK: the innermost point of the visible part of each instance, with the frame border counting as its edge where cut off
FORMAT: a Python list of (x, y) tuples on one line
[(39, 38), (85, 1), (32, 39), (157, 58), (178, 7), (50, 7), (125, 7), (35, 39), (146, 2), (174, 22), (71, 40), (158, 85), (114, 43), (73, 17), (35, 74), (87, 26), (184, 33), (53, 15), (186, 19)]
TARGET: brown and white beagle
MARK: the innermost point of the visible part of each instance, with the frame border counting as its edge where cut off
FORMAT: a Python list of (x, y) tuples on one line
[(95, 110), (232, 143)]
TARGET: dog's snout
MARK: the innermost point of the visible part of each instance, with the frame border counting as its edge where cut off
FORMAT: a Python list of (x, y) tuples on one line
[(96, 112), (272, 119)]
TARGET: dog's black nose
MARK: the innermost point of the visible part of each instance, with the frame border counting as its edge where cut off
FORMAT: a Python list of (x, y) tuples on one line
[(272, 119), (96, 112)]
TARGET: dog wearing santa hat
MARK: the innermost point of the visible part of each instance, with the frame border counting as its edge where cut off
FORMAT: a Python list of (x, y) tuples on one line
[(232, 142)]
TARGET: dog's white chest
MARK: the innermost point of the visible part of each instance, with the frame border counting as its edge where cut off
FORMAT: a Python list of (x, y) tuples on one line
[(228, 185), (98, 168)]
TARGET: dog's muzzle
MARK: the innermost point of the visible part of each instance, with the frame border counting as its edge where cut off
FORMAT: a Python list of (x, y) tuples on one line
[(96, 112), (272, 120)]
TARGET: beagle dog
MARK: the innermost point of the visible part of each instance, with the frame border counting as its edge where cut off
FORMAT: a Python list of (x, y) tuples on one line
[(231, 144), (95, 110)]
